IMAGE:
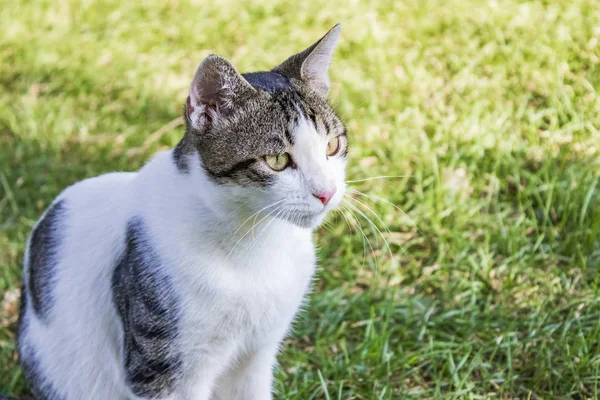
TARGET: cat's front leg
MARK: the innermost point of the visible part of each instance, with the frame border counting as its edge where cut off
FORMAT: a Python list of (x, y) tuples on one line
[(250, 379)]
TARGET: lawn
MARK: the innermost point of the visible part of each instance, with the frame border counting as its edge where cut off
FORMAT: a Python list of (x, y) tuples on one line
[(475, 153)]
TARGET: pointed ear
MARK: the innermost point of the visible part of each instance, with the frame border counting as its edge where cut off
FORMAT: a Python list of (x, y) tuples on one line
[(216, 90), (312, 65)]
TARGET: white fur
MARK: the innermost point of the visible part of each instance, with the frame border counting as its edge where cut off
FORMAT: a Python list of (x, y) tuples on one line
[(239, 287)]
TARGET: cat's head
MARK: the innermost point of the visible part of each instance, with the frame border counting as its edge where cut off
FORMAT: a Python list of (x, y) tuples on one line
[(269, 139)]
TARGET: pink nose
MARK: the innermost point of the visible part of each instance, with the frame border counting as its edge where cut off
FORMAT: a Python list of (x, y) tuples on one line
[(325, 196)]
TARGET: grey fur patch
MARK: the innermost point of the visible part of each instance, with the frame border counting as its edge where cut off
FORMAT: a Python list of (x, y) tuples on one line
[(43, 246), (179, 157), (41, 389), (148, 309), (27, 356), (268, 81)]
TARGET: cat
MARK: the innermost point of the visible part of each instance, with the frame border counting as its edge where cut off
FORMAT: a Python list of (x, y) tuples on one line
[(180, 281)]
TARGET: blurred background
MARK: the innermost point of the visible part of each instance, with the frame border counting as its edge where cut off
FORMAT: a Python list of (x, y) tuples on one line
[(465, 263)]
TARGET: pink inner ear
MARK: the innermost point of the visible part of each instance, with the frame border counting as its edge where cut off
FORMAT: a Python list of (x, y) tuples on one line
[(190, 108)]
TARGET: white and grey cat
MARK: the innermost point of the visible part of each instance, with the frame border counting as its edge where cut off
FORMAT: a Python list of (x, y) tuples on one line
[(180, 281)]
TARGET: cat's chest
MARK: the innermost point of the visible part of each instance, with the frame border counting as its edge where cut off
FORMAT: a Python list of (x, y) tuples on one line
[(269, 280), (254, 295)]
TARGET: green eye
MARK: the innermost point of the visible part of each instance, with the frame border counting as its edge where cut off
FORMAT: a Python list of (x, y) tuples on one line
[(333, 146), (278, 162)]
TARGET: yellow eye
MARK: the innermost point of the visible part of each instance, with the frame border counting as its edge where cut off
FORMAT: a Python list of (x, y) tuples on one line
[(333, 146), (278, 162)]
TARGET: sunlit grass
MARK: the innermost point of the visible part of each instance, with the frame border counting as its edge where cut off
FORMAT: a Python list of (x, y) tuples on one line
[(483, 116)]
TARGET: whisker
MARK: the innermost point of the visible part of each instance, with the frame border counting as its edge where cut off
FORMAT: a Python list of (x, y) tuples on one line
[(365, 238), (362, 237), (381, 200), (278, 209), (382, 222), (257, 217), (251, 229), (374, 226), (235, 209), (379, 177), (265, 227), (368, 208), (256, 214), (327, 224), (284, 218), (341, 212)]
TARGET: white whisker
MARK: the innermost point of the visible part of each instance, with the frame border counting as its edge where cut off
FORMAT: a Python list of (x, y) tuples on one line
[(374, 226), (256, 214), (265, 227), (251, 229), (379, 177), (383, 201), (363, 234), (382, 222), (362, 237)]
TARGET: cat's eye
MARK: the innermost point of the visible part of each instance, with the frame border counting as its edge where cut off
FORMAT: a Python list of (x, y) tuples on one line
[(333, 146), (278, 162)]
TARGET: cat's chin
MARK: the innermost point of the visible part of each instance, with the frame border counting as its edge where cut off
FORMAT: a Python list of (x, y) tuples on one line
[(308, 221)]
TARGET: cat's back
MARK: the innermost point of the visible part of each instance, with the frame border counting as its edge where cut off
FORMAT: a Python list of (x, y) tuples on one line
[(75, 238), (85, 222), (68, 263)]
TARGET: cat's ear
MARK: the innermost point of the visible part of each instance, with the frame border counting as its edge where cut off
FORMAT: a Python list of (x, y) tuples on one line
[(312, 65), (216, 90)]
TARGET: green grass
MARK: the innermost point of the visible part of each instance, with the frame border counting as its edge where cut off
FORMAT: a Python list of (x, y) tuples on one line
[(486, 110)]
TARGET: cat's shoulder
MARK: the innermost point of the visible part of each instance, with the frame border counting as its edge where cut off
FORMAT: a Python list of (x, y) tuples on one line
[(105, 197), (109, 185)]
